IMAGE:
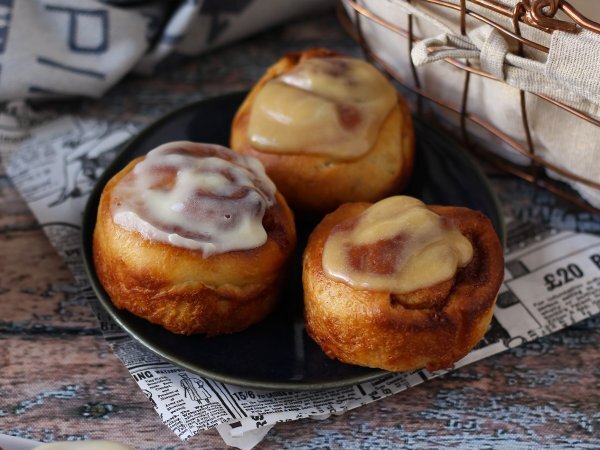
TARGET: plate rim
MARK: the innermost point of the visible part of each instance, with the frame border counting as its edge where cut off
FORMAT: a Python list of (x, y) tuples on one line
[(89, 219)]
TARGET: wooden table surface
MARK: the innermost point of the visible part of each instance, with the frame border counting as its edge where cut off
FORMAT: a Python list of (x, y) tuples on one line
[(59, 380)]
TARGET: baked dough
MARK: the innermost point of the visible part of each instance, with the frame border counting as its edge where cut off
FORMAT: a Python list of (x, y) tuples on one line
[(191, 280), (317, 182), (430, 327)]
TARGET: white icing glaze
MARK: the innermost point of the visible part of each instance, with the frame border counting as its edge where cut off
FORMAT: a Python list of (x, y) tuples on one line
[(397, 245), (83, 445), (197, 196), (327, 106)]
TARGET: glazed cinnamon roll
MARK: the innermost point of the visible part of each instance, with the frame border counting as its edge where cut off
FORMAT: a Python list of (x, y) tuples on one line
[(193, 237), (329, 129), (399, 285)]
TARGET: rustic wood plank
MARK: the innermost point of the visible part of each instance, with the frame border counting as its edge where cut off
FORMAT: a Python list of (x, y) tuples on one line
[(37, 287)]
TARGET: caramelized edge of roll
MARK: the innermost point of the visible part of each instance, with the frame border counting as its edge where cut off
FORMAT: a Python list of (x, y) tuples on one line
[(433, 335), (162, 282), (240, 142)]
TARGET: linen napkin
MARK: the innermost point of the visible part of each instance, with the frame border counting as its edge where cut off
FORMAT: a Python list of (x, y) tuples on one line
[(569, 73)]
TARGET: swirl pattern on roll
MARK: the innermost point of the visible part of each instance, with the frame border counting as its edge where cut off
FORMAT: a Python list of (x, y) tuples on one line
[(332, 106), (196, 196), (397, 245)]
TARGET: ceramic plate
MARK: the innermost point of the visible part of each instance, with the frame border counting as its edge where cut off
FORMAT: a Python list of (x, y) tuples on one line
[(277, 353)]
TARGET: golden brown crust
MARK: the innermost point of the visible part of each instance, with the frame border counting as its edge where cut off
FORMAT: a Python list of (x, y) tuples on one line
[(179, 289), (379, 329), (319, 184)]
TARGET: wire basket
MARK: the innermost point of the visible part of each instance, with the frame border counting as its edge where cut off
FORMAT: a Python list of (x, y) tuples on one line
[(544, 15)]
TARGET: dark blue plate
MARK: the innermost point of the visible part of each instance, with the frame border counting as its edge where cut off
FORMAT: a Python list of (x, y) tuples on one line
[(277, 353)]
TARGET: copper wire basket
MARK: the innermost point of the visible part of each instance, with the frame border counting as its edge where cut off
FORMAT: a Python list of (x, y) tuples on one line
[(540, 14)]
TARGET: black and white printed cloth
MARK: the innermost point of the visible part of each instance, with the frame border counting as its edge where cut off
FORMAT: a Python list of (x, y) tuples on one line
[(57, 48)]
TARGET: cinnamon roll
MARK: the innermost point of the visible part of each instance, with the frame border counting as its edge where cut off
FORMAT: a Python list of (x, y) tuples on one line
[(329, 129), (400, 285), (193, 237)]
